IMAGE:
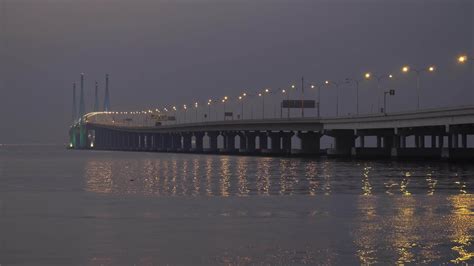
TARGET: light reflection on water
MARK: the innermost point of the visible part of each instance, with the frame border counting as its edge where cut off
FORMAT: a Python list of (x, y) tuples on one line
[(391, 223), (242, 176), (408, 231), (156, 209)]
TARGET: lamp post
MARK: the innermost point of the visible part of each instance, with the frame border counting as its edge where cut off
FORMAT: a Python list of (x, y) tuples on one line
[(185, 111), (209, 109), (389, 92), (318, 102), (175, 115), (283, 91), (196, 108), (302, 95), (262, 94), (379, 79), (335, 84), (356, 82), (288, 109), (241, 99), (407, 69), (223, 102)]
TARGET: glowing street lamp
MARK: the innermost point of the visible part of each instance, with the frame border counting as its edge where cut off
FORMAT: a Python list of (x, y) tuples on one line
[(407, 69), (283, 91), (223, 102), (335, 84), (209, 108), (462, 59), (263, 101), (318, 103), (196, 108), (380, 78), (185, 111), (241, 99), (175, 114)]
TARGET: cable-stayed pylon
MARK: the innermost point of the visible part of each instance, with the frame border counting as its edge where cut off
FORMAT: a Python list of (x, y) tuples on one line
[(96, 103), (82, 107), (107, 96)]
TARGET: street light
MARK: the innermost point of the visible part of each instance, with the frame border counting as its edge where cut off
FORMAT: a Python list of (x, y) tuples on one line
[(185, 111), (379, 79), (175, 115), (293, 86), (463, 59), (356, 82), (389, 92), (302, 95), (223, 102), (283, 91), (406, 69), (335, 84), (196, 107), (318, 103), (241, 99), (209, 109), (263, 101)]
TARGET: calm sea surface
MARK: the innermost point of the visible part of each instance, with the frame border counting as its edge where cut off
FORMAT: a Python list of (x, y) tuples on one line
[(61, 207)]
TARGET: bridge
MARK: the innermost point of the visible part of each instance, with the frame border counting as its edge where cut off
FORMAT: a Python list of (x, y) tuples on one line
[(430, 133)]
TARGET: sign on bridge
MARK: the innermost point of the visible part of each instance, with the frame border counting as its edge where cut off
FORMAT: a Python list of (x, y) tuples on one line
[(298, 104)]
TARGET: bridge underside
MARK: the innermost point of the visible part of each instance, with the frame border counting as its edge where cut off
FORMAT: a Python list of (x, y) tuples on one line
[(426, 142)]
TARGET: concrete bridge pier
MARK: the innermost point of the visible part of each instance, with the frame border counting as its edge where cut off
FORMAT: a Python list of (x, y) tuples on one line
[(275, 138), (242, 142), (431, 150), (310, 143), (199, 146), (129, 141), (403, 141), (165, 142), (229, 142), (440, 141), (113, 140), (137, 138), (187, 142), (286, 142), (160, 142), (344, 141), (385, 139), (141, 141), (263, 141), (175, 142), (98, 139), (250, 141), (155, 142), (455, 140), (148, 142), (212, 141), (134, 138)]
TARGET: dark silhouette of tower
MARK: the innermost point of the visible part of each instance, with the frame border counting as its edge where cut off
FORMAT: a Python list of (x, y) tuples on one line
[(107, 96), (96, 103), (74, 107), (82, 108)]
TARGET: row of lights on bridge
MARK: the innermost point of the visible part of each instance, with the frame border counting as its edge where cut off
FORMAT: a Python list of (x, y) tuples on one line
[(368, 76)]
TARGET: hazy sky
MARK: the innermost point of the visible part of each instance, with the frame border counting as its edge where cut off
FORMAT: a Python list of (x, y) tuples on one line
[(175, 52)]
